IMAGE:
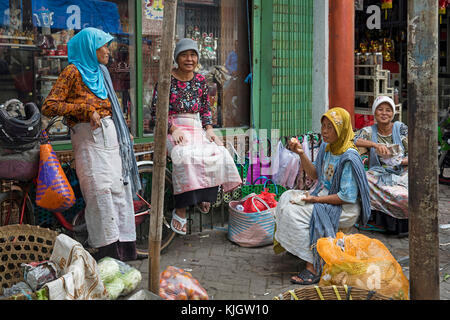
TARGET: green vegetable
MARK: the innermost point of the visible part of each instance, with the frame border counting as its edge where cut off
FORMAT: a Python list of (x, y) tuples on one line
[(114, 288), (131, 280), (108, 269), (119, 278)]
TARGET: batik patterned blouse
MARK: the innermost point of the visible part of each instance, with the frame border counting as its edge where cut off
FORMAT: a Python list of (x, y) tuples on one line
[(187, 97), (71, 98)]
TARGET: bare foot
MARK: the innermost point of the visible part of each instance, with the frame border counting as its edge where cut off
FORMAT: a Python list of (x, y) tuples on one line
[(176, 224), (205, 206)]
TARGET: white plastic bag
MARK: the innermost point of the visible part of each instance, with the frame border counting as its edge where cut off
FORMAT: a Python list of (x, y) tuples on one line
[(288, 166)]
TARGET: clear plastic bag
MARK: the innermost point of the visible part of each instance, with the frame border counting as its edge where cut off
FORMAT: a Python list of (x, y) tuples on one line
[(177, 284), (118, 277)]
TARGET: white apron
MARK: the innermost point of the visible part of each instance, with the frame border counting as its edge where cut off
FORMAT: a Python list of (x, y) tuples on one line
[(293, 222), (200, 163), (109, 209)]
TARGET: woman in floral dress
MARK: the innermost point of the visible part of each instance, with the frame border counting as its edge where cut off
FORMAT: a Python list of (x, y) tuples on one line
[(200, 161)]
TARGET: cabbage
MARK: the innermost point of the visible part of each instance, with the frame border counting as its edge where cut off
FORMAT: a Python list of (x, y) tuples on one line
[(131, 280), (114, 288), (118, 277), (108, 269)]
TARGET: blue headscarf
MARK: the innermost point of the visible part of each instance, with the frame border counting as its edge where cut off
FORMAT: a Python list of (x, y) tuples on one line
[(82, 52)]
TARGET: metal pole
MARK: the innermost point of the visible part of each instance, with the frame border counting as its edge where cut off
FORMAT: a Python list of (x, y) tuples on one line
[(422, 141), (162, 112)]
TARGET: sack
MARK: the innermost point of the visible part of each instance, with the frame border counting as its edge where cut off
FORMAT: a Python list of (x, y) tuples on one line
[(358, 261), (177, 284), (53, 191), (251, 229), (19, 165)]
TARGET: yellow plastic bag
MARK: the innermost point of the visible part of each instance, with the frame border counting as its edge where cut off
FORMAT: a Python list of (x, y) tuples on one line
[(361, 262)]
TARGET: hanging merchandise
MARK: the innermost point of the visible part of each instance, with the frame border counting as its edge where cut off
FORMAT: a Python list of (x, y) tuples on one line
[(385, 5), (208, 47), (443, 4), (286, 165), (310, 143), (388, 50), (260, 164)]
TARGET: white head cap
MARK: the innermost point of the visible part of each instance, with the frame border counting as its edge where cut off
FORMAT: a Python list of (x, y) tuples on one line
[(381, 99)]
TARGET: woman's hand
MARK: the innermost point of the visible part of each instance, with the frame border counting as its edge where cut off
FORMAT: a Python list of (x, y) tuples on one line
[(329, 199), (95, 121), (295, 146), (310, 199), (211, 136), (404, 162), (178, 136), (382, 150)]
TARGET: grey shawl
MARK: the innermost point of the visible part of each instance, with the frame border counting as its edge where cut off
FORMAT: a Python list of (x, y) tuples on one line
[(129, 166), (325, 217)]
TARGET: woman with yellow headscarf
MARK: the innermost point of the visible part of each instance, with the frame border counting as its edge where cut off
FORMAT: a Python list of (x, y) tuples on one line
[(339, 200)]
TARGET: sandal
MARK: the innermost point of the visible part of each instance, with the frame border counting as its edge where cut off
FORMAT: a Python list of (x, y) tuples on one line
[(182, 221), (202, 206), (306, 277)]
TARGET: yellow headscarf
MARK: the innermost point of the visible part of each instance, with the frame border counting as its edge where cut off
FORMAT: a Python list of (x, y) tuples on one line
[(341, 121)]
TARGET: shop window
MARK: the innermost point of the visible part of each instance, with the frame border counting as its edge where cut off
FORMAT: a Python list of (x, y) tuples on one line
[(220, 29), (33, 47)]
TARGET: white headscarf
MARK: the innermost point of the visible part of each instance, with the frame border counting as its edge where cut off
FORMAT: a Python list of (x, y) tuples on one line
[(381, 99)]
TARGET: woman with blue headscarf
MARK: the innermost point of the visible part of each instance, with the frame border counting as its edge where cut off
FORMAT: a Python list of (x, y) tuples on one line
[(101, 142)]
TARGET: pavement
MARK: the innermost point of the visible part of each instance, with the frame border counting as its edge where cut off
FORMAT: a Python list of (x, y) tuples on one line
[(229, 272)]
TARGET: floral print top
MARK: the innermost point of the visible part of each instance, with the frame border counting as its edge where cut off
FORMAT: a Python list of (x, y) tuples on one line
[(366, 133), (71, 98), (187, 97)]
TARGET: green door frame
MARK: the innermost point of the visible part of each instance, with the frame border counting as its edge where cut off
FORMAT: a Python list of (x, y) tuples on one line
[(262, 65)]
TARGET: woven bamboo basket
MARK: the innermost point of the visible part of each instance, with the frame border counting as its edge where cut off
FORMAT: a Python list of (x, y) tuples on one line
[(22, 244), (330, 293)]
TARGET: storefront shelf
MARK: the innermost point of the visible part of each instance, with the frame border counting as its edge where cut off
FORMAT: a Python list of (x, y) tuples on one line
[(18, 45), (54, 57), (48, 78)]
